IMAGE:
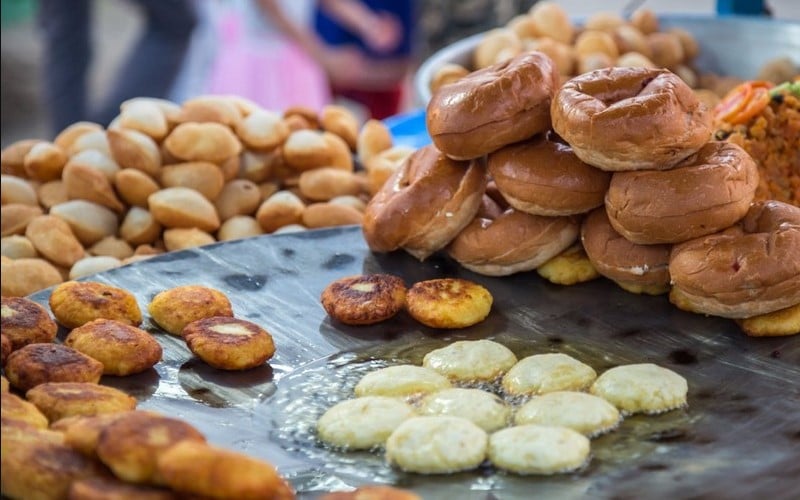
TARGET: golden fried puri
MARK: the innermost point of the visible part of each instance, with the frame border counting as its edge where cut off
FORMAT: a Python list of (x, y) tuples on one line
[(15, 409), (197, 468), (448, 303), (58, 400), (75, 303), (36, 364), (123, 349), (175, 308), (6, 349), (373, 492), (229, 343), (132, 444), (107, 488), (364, 300), (34, 470), (25, 322)]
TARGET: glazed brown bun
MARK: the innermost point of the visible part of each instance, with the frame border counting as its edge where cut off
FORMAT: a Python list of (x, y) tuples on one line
[(609, 116), (704, 194), (635, 268), (489, 108), (747, 270), (543, 176), (424, 204), (502, 241)]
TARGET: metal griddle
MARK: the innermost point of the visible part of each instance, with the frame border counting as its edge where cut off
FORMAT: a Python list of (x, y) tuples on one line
[(739, 437)]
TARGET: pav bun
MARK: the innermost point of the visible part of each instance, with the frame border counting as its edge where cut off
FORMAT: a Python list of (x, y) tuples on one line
[(608, 117), (489, 108)]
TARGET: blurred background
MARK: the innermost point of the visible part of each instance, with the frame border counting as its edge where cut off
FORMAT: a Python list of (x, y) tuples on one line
[(213, 61)]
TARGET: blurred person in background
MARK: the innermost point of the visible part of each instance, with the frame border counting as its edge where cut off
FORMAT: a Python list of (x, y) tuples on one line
[(149, 70), (382, 33)]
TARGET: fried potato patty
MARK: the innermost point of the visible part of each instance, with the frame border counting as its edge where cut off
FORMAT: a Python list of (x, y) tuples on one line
[(550, 372), (538, 449), (132, 444), (229, 343), (36, 364), (436, 445), (58, 400), (4, 385), (42, 470), (362, 423), (175, 308), (108, 488), (196, 468), (364, 299), (471, 360), (373, 492), (641, 388), (14, 408), (5, 349), (448, 303), (569, 267), (123, 349), (401, 380), (25, 322), (82, 433), (75, 303), (774, 324)]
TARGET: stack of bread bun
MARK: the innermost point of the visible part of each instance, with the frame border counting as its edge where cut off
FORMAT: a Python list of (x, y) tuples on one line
[(165, 177), (613, 171)]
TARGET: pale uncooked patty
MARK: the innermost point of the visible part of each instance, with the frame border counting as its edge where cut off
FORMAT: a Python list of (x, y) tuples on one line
[(437, 445), (542, 373), (401, 380), (538, 449), (362, 423), (590, 415), (483, 408), (641, 388), (469, 360)]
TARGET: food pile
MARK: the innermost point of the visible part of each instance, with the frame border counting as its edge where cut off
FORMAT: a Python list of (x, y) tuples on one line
[(448, 415), (613, 173), (165, 177), (764, 119)]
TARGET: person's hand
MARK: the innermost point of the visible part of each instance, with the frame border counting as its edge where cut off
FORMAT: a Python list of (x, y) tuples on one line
[(383, 33)]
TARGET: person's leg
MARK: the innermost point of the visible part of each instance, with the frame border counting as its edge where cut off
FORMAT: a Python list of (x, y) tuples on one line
[(67, 53), (157, 56)]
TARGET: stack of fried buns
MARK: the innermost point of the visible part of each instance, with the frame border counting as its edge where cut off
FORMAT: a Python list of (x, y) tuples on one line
[(612, 174)]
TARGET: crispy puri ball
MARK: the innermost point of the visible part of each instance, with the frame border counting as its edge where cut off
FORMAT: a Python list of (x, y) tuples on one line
[(569, 267), (373, 492), (14, 408), (483, 408), (364, 300), (538, 449), (6, 349), (471, 360), (132, 444), (199, 469), (36, 364), (448, 303), (26, 322), (590, 415), (229, 343), (362, 423), (108, 488), (58, 400), (123, 349), (437, 445), (641, 388), (82, 433), (42, 470), (775, 324), (175, 308), (543, 373), (75, 303), (401, 380)]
